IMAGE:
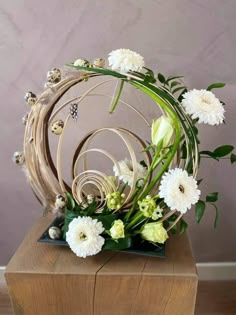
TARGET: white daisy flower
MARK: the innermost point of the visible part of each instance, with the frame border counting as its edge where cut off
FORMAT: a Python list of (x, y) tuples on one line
[(83, 236), (204, 105), (179, 190), (125, 60), (127, 171)]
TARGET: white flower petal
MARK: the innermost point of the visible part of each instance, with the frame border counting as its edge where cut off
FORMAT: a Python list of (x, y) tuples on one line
[(204, 105), (126, 171), (179, 190), (83, 236), (125, 60)]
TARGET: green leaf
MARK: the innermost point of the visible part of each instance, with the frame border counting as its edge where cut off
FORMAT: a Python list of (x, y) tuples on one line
[(209, 153), (174, 229), (174, 83), (149, 76), (99, 70), (173, 78), (216, 215), (223, 151), (215, 86), (233, 158), (199, 181), (90, 209), (184, 151), (199, 210), (107, 220), (69, 216), (70, 200), (212, 197), (181, 94), (178, 89), (182, 226), (161, 78), (122, 243)]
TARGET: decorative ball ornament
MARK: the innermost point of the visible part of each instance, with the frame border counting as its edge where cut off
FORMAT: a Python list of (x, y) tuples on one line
[(60, 201), (54, 75), (57, 127), (99, 63), (18, 158), (90, 198), (81, 62), (74, 111), (30, 98), (54, 233)]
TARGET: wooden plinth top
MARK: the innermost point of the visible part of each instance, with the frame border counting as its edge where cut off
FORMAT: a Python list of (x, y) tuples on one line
[(34, 257)]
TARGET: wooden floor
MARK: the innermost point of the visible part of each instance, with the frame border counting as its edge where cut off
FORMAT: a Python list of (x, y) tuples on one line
[(214, 298)]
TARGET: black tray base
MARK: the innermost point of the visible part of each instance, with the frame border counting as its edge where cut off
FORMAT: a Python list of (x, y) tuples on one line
[(145, 249)]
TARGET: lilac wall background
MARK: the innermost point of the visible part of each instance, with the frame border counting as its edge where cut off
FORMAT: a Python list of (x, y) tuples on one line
[(194, 38)]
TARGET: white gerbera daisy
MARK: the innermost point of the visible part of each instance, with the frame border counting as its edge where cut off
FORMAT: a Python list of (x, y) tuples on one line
[(125, 60), (83, 236), (127, 171), (204, 105), (179, 190)]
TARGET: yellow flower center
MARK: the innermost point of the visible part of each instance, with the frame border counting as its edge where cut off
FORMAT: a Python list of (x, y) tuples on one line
[(82, 236)]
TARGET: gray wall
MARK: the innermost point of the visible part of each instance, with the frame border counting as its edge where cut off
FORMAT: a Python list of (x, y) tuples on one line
[(194, 38)]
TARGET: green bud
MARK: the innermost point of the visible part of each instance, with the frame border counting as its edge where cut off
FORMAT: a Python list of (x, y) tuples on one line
[(115, 200), (162, 130), (147, 206)]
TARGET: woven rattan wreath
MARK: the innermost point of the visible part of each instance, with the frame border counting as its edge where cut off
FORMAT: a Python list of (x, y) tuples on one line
[(115, 210)]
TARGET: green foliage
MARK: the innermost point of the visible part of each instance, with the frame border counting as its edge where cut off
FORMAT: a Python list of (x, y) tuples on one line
[(223, 151), (182, 226), (233, 158), (212, 197), (199, 181), (99, 70), (201, 207), (174, 84), (69, 216), (116, 98), (215, 86), (71, 202), (173, 78), (122, 243), (200, 210), (106, 220), (216, 215), (220, 152), (161, 78), (149, 76)]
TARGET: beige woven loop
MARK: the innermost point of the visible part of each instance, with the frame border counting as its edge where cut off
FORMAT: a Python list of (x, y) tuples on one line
[(47, 180)]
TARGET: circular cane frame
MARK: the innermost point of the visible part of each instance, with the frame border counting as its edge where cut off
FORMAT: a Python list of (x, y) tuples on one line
[(46, 179)]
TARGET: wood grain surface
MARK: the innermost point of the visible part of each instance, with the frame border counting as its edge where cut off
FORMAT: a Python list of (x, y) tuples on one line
[(48, 279)]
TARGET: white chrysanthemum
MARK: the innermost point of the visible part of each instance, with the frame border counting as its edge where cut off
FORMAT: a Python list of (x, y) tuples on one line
[(204, 105), (127, 171), (125, 60), (179, 190), (83, 236)]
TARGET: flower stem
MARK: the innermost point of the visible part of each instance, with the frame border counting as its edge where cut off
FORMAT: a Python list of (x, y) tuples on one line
[(150, 90), (135, 220), (116, 97)]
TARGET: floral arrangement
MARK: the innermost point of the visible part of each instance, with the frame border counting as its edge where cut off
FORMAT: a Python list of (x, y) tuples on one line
[(137, 206)]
